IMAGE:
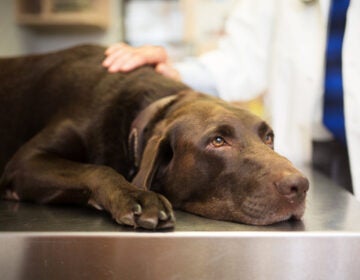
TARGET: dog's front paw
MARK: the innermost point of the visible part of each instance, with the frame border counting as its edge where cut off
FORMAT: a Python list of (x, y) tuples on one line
[(143, 209)]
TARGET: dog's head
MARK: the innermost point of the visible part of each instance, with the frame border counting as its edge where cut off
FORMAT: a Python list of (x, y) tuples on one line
[(216, 160)]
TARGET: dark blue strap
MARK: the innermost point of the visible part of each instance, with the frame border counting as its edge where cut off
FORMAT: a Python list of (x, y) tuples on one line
[(333, 117)]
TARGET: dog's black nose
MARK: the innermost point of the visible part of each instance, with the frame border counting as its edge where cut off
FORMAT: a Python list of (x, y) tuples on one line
[(292, 186)]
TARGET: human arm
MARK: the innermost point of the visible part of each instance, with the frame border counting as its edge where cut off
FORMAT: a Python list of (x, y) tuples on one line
[(122, 57), (238, 68)]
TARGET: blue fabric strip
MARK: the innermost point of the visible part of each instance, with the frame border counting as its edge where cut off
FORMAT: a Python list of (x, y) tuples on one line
[(333, 117)]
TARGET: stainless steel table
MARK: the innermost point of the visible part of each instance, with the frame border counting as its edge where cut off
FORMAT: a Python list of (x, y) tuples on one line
[(41, 242)]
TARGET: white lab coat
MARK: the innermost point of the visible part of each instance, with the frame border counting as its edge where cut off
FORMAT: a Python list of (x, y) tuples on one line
[(278, 47)]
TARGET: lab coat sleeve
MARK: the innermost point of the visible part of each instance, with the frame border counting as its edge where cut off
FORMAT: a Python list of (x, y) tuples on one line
[(196, 75), (238, 68)]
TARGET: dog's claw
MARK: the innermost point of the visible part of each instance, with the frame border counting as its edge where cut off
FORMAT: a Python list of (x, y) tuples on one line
[(172, 218), (137, 209), (162, 216)]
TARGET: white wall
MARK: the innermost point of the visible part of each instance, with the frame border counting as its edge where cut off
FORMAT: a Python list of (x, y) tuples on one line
[(16, 39), (12, 37)]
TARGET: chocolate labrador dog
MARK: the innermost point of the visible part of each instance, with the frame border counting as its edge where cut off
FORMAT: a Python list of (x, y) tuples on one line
[(136, 145)]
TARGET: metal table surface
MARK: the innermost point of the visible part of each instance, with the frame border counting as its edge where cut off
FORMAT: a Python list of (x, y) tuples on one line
[(42, 242)]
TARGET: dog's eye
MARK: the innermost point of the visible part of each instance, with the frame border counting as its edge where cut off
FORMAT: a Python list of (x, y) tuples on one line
[(218, 141), (269, 139)]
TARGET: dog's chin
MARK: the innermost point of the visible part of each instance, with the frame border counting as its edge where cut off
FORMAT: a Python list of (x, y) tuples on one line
[(274, 220), (271, 216), (261, 214), (275, 217)]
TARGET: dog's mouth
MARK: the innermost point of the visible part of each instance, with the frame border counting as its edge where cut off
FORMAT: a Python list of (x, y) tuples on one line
[(273, 219), (252, 211), (271, 215)]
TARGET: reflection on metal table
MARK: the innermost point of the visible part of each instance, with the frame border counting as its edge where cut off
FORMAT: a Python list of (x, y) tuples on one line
[(58, 242)]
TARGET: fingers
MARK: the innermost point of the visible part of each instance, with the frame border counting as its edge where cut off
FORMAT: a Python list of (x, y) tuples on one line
[(153, 54), (168, 70), (124, 61), (113, 48), (121, 57)]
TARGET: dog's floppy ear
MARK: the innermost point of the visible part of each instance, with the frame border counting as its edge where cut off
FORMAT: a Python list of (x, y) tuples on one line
[(143, 125), (157, 152)]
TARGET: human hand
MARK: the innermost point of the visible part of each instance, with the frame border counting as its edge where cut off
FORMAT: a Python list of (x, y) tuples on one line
[(121, 57)]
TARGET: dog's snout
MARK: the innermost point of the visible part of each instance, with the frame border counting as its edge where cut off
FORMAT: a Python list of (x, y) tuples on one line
[(292, 185)]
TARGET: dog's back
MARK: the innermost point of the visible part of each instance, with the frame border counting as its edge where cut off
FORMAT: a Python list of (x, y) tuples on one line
[(72, 84), (31, 94)]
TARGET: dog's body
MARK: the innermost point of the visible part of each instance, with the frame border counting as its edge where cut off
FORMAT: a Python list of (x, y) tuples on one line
[(73, 133)]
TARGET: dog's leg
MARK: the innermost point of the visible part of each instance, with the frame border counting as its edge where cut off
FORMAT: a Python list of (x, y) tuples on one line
[(40, 172)]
